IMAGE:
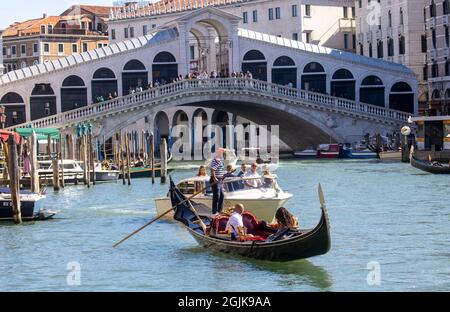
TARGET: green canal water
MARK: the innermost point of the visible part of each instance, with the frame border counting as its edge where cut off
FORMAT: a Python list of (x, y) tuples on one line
[(387, 214)]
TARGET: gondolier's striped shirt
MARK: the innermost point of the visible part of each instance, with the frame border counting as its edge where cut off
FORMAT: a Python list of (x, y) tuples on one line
[(218, 167)]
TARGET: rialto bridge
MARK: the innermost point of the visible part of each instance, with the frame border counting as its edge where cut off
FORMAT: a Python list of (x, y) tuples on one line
[(312, 92)]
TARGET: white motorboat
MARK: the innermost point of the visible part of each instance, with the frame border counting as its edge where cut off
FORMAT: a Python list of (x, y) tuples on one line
[(31, 206), (263, 202), (307, 153), (72, 170)]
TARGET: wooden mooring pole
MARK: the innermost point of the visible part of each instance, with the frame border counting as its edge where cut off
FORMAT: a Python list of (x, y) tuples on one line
[(61, 153), (14, 179), (152, 157), (163, 161), (35, 187), (122, 159), (127, 144)]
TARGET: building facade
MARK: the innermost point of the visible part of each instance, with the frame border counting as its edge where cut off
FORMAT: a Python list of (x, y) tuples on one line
[(438, 42), (1, 54), (394, 30), (320, 22), (78, 80), (51, 37)]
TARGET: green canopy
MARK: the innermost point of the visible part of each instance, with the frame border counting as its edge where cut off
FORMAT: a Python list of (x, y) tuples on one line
[(41, 133)]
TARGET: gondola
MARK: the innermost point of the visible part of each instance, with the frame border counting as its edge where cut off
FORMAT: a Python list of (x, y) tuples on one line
[(428, 167), (301, 245)]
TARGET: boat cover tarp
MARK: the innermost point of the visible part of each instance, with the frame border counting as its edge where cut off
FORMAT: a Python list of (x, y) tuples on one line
[(41, 133), (4, 136)]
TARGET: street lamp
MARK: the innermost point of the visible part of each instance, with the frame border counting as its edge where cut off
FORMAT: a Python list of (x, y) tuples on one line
[(2, 117)]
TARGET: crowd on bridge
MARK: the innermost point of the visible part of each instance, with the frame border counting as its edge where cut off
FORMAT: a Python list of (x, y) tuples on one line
[(195, 75)]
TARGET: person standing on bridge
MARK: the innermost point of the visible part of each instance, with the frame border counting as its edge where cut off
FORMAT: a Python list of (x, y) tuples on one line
[(217, 175)]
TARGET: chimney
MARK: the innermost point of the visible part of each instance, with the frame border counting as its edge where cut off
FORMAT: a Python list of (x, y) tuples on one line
[(44, 15)]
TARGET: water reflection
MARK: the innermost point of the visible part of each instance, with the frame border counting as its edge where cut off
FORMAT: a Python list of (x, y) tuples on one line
[(287, 274)]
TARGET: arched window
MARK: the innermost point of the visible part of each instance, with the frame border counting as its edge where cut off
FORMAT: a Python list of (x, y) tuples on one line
[(372, 91), (134, 65), (165, 68), (436, 95), (255, 62), (134, 76), (104, 85), (342, 74), (254, 55), (104, 73), (283, 61), (11, 98), (73, 93), (73, 81), (401, 97), (42, 89), (372, 81), (343, 84), (14, 109), (42, 101), (314, 67), (284, 72), (164, 57), (314, 78)]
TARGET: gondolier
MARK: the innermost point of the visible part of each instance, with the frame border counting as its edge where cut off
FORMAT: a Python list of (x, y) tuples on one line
[(217, 174)]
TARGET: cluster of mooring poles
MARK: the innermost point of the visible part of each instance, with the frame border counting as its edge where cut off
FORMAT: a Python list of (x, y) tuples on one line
[(22, 167)]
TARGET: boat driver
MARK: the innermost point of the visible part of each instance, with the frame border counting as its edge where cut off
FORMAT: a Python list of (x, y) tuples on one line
[(252, 177)]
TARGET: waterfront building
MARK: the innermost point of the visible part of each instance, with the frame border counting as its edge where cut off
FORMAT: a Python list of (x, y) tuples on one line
[(45, 39), (394, 30), (1, 54), (433, 133), (342, 93), (436, 14), (320, 22)]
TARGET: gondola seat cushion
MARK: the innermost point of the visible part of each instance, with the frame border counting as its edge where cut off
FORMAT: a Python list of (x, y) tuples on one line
[(220, 224), (253, 226)]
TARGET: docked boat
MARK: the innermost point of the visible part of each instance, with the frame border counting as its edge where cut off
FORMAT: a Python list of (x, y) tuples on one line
[(285, 246), (430, 167), (30, 204), (391, 156), (72, 171), (262, 202), (328, 151), (348, 152), (306, 154), (105, 175)]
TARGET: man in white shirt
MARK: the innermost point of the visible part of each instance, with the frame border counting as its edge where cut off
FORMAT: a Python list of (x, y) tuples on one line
[(236, 222), (251, 177)]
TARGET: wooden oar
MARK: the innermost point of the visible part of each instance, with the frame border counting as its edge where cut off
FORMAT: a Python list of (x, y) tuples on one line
[(161, 216), (167, 212)]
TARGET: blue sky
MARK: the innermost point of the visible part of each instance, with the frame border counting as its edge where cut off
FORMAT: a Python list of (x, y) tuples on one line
[(19, 10)]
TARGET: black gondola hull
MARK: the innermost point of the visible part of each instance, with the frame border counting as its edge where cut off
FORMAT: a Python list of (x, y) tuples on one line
[(310, 244), (424, 166)]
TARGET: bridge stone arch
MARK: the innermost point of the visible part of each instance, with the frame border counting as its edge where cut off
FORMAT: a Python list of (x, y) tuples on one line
[(310, 127), (223, 26)]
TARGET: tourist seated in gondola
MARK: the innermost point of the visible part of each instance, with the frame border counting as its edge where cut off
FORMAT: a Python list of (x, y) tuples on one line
[(252, 177), (235, 225), (286, 225)]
